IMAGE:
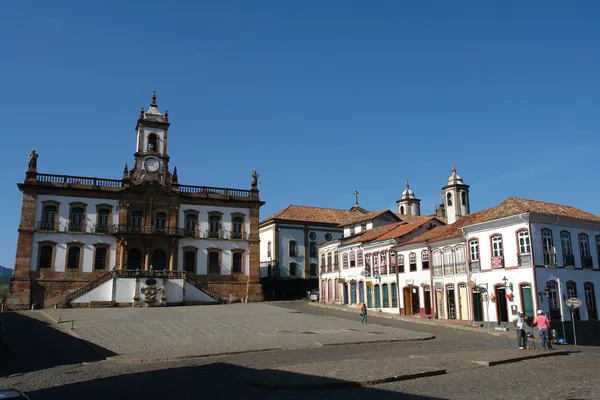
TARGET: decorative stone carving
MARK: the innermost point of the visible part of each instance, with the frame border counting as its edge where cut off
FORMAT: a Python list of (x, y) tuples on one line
[(33, 160), (151, 292)]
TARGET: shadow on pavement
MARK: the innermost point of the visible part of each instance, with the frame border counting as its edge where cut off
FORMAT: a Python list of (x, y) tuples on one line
[(35, 345), (221, 380)]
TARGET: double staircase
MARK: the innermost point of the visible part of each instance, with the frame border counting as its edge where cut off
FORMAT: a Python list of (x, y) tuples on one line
[(191, 279)]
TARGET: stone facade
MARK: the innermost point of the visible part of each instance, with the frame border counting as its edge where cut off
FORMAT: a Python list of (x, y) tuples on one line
[(73, 229)]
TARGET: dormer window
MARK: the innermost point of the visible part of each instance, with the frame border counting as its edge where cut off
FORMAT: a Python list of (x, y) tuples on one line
[(152, 142), (352, 230), (363, 226)]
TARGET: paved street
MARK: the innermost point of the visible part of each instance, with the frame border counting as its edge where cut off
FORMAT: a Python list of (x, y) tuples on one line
[(80, 373), (166, 333)]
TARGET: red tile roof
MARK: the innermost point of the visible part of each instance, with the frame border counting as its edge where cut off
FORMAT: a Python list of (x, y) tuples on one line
[(405, 229), (415, 218), (509, 207), (389, 231), (367, 217), (314, 214), (374, 233)]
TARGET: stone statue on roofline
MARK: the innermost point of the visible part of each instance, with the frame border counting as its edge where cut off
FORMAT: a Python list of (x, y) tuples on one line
[(33, 160), (254, 179)]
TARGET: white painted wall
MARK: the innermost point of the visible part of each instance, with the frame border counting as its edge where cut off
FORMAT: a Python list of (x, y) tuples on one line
[(160, 133), (100, 293), (509, 243), (537, 227), (125, 290), (226, 221), (64, 209), (227, 247), (175, 290), (192, 293)]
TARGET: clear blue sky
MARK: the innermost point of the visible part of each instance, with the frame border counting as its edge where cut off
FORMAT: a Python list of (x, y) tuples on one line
[(321, 97)]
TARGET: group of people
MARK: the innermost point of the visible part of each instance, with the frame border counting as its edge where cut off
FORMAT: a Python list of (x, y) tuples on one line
[(543, 324)]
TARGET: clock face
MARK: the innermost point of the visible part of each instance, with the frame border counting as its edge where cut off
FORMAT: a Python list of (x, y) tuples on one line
[(151, 164)]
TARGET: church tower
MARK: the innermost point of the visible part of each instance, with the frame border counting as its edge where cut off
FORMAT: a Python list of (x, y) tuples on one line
[(151, 158), (455, 197), (408, 203)]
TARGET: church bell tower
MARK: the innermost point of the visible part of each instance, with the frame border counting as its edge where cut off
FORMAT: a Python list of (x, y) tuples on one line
[(151, 158)]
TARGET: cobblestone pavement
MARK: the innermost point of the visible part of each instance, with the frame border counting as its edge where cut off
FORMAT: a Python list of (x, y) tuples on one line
[(167, 333), (573, 376)]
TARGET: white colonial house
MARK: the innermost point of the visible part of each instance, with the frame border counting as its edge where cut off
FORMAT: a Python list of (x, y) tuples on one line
[(520, 255), (367, 270)]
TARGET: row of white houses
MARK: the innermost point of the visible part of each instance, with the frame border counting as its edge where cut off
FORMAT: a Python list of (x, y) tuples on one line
[(520, 255)]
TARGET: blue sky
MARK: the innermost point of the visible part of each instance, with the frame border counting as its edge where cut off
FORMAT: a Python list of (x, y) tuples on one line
[(321, 97)]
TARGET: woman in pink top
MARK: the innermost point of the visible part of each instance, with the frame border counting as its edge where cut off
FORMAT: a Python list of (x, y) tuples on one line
[(541, 321)]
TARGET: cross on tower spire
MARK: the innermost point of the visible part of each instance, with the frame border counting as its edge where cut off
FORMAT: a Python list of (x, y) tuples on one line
[(356, 198)]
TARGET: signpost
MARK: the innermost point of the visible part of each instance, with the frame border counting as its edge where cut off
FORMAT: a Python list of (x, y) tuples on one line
[(573, 303)]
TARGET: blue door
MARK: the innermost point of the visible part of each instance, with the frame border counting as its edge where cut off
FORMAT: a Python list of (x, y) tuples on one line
[(345, 293), (361, 292), (353, 289), (386, 298), (377, 296), (394, 295), (369, 296)]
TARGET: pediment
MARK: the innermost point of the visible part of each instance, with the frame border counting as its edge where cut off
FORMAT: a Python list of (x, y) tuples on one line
[(150, 189)]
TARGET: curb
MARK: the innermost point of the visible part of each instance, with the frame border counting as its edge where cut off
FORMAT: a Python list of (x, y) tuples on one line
[(523, 358), (346, 384), (415, 321), (379, 341), (179, 358)]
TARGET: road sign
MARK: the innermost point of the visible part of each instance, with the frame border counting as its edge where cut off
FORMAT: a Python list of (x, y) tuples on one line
[(574, 302)]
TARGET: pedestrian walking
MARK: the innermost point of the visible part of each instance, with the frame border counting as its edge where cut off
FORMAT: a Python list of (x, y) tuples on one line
[(519, 322), (543, 324), (363, 314)]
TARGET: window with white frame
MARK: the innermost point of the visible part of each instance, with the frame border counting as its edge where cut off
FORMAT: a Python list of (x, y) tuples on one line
[(459, 258), (425, 259), (474, 248), (359, 259), (565, 241), (584, 245), (524, 243), (448, 260), (400, 263), (412, 261), (345, 260), (497, 246), (352, 259)]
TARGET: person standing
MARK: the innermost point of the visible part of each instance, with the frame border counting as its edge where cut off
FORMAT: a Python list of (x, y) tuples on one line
[(519, 323), (541, 321), (363, 314)]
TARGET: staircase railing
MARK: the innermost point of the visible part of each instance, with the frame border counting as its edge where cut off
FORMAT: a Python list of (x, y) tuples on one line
[(192, 280), (85, 288)]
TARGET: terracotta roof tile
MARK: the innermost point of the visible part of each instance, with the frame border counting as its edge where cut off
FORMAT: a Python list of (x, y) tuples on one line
[(414, 218), (404, 229), (374, 233), (366, 217), (509, 207), (314, 214)]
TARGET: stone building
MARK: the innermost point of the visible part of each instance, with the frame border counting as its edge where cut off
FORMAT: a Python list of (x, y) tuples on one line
[(78, 233)]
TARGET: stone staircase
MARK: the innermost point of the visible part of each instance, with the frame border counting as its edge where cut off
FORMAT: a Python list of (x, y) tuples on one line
[(63, 301)]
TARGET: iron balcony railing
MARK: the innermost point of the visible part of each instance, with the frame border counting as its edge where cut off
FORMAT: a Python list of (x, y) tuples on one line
[(47, 226), (437, 270), (121, 229), (460, 267), (474, 266), (524, 260), (448, 269)]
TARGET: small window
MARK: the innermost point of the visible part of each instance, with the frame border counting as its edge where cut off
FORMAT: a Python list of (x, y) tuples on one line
[(238, 226), (100, 258), (425, 259), (103, 220), (73, 257), (313, 250), (214, 227), (293, 248), (524, 243), (352, 259), (363, 226), (497, 246), (77, 219), (214, 262), (293, 269), (474, 248), (400, 263), (449, 197), (160, 221), (237, 266), (50, 218), (46, 256), (269, 250), (189, 261), (412, 261)]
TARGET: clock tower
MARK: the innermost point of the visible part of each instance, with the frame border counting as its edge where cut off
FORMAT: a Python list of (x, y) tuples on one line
[(151, 158)]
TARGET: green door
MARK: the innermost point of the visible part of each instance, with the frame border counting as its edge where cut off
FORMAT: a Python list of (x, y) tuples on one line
[(477, 306), (394, 295), (527, 301), (386, 298), (377, 296), (369, 296)]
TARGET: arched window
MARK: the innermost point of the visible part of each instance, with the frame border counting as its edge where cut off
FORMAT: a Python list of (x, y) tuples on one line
[(402, 210), (49, 222), (352, 259), (269, 249), (524, 243), (553, 304), (437, 262), (449, 198), (293, 248), (459, 256), (548, 247), (590, 301), (412, 261), (448, 261), (400, 263), (463, 197), (237, 266), (425, 259), (345, 260), (189, 261), (584, 250), (76, 219), (214, 262), (567, 249), (152, 142), (329, 261), (359, 259), (497, 250), (160, 220), (572, 292)]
